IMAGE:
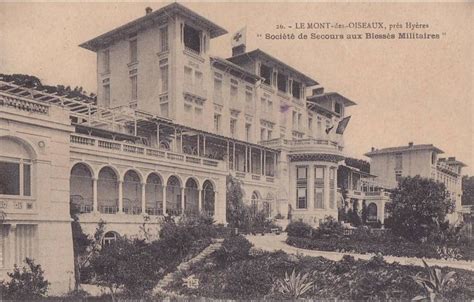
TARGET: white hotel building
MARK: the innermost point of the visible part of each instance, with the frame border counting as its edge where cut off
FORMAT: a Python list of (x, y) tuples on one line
[(171, 123)]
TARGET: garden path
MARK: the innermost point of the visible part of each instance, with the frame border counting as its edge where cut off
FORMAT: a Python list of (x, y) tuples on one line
[(271, 242)]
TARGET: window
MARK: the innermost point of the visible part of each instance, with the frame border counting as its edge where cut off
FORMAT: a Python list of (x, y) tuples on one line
[(338, 108), (106, 95), (282, 82), (233, 127), (266, 73), (11, 180), (192, 39), (164, 39), (217, 90), (164, 78), (233, 91), (263, 105), (332, 188), (262, 134), (269, 134), (301, 187), (217, 122), (320, 125), (248, 131), (198, 79), (433, 158), (398, 176), (133, 50), (398, 161), (109, 238), (188, 76), (319, 187), (198, 115), (134, 85), (296, 89), (106, 61), (300, 119), (294, 121), (310, 124)]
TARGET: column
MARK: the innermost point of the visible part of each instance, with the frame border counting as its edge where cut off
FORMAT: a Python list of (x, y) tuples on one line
[(233, 157), (275, 167), (95, 207), (143, 198), (175, 140), (246, 168), (204, 145), (228, 154), (158, 135), (200, 200), (120, 197), (182, 201), (326, 188), (250, 160), (199, 144), (11, 245), (264, 172), (310, 194), (164, 200)]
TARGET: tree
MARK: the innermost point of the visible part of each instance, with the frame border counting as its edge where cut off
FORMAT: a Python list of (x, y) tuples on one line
[(468, 190), (25, 284), (127, 264), (418, 208), (236, 213)]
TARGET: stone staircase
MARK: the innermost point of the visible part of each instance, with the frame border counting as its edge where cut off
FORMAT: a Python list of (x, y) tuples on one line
[(184, 266)]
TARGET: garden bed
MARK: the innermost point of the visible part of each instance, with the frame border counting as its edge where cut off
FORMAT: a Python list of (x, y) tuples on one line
[(254, 276), (389, 247)]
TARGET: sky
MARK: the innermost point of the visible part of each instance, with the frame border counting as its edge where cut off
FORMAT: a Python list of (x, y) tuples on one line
[(417, 91)]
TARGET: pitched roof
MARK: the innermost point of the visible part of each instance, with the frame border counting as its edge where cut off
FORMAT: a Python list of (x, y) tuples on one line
[(149, 20), (326, 95), (404, 149), (228, 64), (258, 53)]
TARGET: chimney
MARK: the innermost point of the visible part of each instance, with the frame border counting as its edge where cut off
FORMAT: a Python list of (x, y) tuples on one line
[(319, 90), (148, 10), (238, 50), (410, 144), (373, 149), (451, 158)]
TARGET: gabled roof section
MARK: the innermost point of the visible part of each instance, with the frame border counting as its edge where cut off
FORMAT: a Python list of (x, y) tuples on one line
[(260, 54), (234, 69), (331, 95), (404, 149), (147, 21)]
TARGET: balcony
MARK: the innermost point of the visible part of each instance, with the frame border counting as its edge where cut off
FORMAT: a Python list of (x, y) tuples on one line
[(305, 145), (17, 205), (120, 148), (194, 92), (253, 177)]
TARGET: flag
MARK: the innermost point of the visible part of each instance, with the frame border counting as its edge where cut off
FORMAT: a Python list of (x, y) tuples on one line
[(240, 37), (328, 129), (341, 127)]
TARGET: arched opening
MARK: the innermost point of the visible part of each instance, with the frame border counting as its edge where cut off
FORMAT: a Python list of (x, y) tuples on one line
[(109, 238), (15, 167), (81, 194), (191, 197), (255, 201), (132, 193), (268, 205), (173, 196), (154, 195), (208, 198), (372, 212), (107, 191)]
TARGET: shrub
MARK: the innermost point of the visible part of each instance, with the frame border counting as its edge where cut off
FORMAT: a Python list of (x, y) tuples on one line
[(330, 227), (233, 249), (299, 229), (247, 279), (293, 286), (434, 287), (25, 284)]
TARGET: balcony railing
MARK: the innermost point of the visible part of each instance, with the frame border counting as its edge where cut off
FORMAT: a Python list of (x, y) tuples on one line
[(305, 142), (23, 104), (121, 147)]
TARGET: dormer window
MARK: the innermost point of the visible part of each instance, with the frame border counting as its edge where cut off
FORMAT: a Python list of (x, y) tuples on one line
[(282, 82), (192, 39), (338, 108), (266, 74), (296, 89)]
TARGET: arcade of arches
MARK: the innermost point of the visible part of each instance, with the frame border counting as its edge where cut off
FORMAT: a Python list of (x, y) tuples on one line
[(108, 193)]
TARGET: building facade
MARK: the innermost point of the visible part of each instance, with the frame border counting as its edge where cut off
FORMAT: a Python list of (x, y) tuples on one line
[(391, 164), (171, 122)]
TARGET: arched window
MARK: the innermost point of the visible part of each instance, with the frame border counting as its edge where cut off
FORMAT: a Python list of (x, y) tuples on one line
[(132, 193), (107, 191), (173, 196), (109, 238), (208, 198), (15, 168), (254, 201), (154, 195), (81, 188), (372, 212), (191, 197)]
